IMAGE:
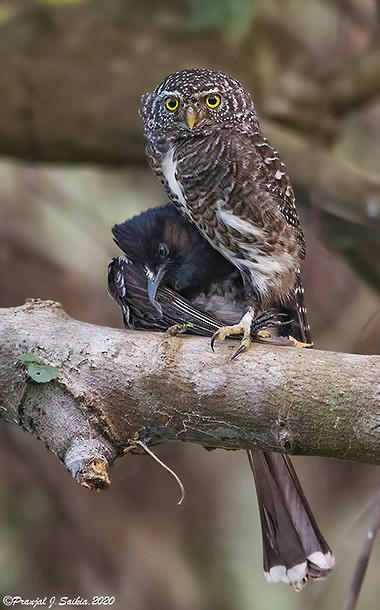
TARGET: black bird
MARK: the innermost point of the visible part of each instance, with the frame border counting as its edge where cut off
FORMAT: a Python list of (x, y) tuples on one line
[(171, 275), (174, 277)]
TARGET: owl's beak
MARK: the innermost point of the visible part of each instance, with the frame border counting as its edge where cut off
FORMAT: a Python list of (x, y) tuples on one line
[(191, 117)]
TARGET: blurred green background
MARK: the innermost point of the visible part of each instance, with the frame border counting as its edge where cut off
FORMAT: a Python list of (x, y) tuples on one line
[(72, 164)]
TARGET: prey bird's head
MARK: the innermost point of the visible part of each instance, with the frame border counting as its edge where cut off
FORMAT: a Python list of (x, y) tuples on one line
[(195, 102), (171, 250), (164, 244)]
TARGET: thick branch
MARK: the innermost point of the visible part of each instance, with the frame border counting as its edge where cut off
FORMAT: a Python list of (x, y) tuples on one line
[(115, 387)]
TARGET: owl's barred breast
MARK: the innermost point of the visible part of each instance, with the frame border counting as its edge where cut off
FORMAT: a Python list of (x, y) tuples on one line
[(215, 182)]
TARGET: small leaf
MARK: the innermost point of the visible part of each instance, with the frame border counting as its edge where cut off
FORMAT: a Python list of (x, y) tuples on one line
[(29, 358), (42, 373)]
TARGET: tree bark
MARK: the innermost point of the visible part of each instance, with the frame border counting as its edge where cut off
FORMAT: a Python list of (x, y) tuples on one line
[(116, 387)]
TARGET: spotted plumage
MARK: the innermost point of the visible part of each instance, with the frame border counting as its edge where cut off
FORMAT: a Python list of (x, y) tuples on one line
[(222, 173)]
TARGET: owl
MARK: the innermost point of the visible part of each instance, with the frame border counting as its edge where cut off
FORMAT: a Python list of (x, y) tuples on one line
[(205, 144)]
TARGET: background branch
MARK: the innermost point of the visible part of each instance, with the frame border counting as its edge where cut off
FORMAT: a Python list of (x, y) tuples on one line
[(116, 386), (351, 601)]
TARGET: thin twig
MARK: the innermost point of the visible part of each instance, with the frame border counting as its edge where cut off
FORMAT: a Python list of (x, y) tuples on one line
[(363, 559), (154, 456)]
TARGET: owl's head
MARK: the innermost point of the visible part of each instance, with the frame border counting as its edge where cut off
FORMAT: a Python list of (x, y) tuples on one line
[(196, 101)]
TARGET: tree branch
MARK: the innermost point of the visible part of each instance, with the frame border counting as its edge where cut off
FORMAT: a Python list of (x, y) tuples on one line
[(115, 387)]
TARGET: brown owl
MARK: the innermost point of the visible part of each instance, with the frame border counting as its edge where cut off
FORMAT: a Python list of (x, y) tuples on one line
[(205, 144)]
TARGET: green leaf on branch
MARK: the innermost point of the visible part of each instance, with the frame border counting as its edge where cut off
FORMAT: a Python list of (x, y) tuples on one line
[(37, 370), (42, 373)]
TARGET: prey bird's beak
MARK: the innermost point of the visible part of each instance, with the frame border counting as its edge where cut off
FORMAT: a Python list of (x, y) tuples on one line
[(191, 117), (154, 281)]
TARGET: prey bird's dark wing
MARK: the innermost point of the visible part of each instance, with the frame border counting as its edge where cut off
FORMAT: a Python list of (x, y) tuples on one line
[(177, 310), (127, 284)]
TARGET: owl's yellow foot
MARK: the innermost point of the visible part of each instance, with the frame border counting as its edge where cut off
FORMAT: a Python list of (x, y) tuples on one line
[(263, 334), (300, 344), (253, 329), (242, 328)]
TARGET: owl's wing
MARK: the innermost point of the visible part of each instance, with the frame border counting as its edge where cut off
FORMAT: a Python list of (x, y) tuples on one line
[(301, 313), (272, 174), (127, 284), (296, 312)]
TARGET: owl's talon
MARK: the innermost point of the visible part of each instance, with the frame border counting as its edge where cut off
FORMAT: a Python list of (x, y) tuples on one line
[(213, 339), (244, 345), (242, 328), (299, 344), (253, 329), (263, 334), (225, 331)]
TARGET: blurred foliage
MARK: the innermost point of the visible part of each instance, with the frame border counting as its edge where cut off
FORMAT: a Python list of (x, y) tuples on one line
[(61, 1), (235, 17), (6, 11)]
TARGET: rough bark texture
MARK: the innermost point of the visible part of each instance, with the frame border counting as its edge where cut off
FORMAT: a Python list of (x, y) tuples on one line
[(116, 387)]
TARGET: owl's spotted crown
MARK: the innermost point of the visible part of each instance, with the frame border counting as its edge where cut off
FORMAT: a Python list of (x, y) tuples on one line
[(192, 81)]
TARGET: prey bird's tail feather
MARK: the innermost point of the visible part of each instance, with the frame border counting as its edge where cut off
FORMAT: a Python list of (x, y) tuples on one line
[(293, 547)]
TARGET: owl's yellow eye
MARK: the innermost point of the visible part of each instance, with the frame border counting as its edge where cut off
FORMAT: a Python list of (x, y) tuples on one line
[(213, 100), (171, 103)]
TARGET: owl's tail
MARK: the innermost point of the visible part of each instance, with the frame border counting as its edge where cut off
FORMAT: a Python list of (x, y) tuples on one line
[(293, 547)]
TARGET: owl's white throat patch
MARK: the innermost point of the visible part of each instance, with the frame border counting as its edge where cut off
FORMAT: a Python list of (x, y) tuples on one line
[(169, 168)]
